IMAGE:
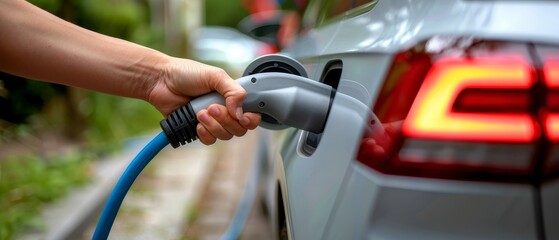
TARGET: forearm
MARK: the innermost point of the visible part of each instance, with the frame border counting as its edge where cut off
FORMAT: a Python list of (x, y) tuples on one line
[(41, 46)]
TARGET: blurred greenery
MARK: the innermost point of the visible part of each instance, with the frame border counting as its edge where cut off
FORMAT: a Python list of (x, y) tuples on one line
[(113, 118), (126, 19), (25, 97), (28, 182), (216, 16)]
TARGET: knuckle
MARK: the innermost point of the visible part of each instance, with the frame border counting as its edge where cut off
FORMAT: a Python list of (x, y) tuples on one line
[(219, 73), (240, 132), (207, 139)]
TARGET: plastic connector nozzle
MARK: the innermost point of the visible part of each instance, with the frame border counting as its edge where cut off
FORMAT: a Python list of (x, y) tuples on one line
[(288, 99)]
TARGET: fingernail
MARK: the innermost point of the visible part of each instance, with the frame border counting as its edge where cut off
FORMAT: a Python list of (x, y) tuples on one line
[(239, 113), (244, 121), (214, 111)]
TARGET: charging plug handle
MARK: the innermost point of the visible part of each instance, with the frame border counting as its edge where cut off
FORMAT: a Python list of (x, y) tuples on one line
[(289, 99)]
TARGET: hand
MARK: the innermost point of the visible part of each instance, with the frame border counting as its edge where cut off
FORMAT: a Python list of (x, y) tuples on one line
[(377, 147), (183, 80)]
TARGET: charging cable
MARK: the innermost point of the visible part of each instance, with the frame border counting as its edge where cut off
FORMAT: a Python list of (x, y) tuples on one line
[(123, 185)]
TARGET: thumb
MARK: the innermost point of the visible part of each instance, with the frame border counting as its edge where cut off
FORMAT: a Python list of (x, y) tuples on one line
[(234, 96), (234, 103)]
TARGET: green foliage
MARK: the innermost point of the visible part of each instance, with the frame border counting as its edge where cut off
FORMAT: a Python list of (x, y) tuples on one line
[(24, 98), (28, 182), (114, 18), (112, 118), (52, 6), (224, 13)]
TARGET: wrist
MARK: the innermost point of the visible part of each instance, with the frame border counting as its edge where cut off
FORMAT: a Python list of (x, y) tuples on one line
[(151, 70)]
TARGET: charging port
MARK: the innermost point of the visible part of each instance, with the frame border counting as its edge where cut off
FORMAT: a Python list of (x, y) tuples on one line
[(331, 76)]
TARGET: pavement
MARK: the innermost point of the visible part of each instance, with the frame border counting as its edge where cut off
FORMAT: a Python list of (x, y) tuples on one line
[(221, 197), (186, 193)]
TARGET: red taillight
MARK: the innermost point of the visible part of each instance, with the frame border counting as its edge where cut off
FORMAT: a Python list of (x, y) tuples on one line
[(551, 117), (551, 80), (474, 112), (432, 114), (493, 100), (266, 49)]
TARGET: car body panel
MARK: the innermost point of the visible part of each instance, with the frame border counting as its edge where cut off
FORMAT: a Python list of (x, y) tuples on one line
[(550, 208), (393, 25), (419, 208)]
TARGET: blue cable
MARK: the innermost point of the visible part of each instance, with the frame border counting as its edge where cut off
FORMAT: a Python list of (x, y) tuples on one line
[(123, 185), (141, 160)]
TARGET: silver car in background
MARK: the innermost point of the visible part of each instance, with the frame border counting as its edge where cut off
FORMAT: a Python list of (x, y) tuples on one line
[(463, 142), (227, 48)]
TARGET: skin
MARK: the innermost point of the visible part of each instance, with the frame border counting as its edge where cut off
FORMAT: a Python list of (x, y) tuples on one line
[(38, 45), (376, 147)]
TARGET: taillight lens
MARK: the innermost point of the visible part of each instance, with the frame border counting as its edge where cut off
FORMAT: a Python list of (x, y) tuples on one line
[(551, 79), (432, 115), (474, 110), (550, 74)]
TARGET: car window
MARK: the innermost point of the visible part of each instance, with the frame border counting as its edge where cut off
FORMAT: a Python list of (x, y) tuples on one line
[(298, 6), (330, 9), (318, 12), (360, 3), (333, 8), (310, 15)]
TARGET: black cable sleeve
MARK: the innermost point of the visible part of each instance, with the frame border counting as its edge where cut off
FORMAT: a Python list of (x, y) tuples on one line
[(180, 126)]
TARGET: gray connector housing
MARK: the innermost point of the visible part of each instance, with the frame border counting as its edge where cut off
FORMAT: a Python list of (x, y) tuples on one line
[(289, 99)]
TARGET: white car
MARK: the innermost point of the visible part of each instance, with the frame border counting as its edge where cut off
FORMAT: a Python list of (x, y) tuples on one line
[(467, 93)]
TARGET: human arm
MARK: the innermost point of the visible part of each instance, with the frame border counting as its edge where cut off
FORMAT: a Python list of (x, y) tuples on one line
[(40, 46)]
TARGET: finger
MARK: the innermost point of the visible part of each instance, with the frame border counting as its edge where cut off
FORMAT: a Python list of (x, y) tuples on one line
[(219, 113), (375, 150), (233, 93), (393, 128), (250, 120), (204, 136), (213, 127), (378, 151), (234, 101)]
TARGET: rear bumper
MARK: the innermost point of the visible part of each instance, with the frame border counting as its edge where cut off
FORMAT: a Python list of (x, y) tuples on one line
[(373, 205), (550, 209)]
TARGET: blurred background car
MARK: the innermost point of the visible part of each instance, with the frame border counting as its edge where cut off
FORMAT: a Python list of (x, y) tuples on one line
[(227, 47), (458, 138)]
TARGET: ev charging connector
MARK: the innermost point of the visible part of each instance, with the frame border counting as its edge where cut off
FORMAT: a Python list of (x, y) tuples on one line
[(287, 99), (283, 95)]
